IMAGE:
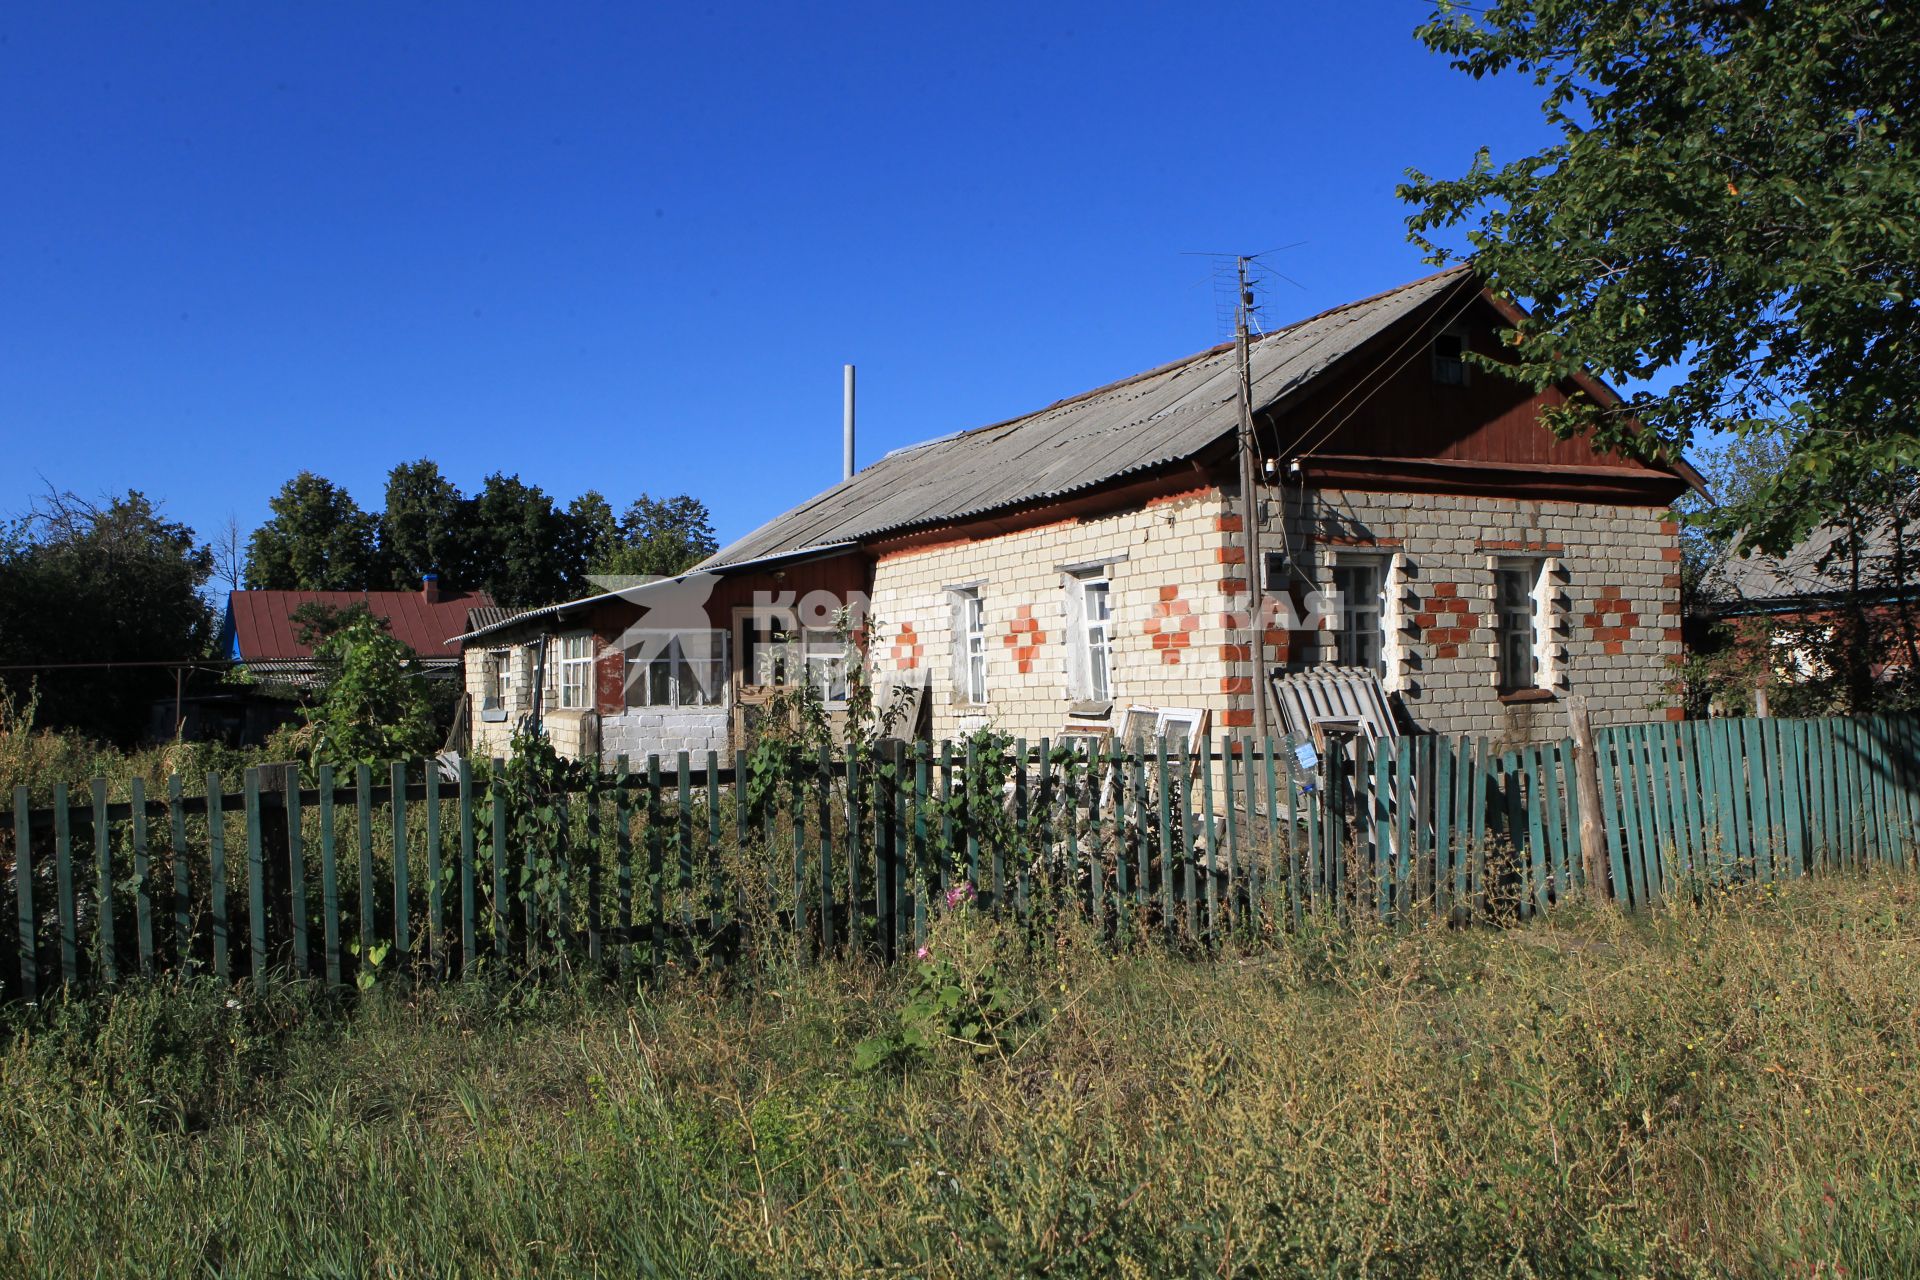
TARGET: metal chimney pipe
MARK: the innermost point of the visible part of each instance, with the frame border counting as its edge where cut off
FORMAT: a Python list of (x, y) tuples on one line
[(846, 462)]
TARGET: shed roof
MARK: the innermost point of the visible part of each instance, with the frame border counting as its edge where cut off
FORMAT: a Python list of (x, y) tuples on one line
[(1147, 421), (260, 628)]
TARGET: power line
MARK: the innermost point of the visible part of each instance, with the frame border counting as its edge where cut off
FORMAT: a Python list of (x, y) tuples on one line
[(169, 663), (1379, 371)]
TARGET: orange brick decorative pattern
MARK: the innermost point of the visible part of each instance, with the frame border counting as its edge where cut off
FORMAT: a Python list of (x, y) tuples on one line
[(907, 649), (1612, 634), (1171, 626), (1025, 637), (1446, 620)]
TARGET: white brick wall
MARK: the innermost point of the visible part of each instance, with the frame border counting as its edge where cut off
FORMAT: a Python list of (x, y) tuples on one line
[(1618, 579), (1173, 545)]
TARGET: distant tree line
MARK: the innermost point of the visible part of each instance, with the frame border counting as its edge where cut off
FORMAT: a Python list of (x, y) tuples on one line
[(510, 539), (115, 582)]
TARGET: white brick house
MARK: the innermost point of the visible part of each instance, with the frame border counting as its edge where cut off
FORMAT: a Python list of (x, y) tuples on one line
[(1049, 572)]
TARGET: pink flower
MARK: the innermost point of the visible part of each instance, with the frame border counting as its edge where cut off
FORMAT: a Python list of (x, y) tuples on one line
[(960, 894), (923, 953)]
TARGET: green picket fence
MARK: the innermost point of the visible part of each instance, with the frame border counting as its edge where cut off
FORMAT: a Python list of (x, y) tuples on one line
[(399, 870)]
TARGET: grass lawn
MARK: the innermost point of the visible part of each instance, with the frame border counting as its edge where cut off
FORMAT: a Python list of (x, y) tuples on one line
[(1725, 1090)]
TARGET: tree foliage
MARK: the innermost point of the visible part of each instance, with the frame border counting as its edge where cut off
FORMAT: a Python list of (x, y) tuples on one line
[(318, 539), (84, 582), (510, 539), (1729, 221), (425, 528), (375, 705), (528, 552), (661, 536)]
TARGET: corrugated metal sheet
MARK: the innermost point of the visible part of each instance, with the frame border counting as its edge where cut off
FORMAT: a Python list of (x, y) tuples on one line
[(1334, 695), (262, 628), (1151, 420)]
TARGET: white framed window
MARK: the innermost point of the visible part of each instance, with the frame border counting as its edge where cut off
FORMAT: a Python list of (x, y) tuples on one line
[(497, 688), (1359, 629), (678, 669), (1516, 603), (969, 646), (824, 655), (772, 655), (1090, 636), (576, 672)]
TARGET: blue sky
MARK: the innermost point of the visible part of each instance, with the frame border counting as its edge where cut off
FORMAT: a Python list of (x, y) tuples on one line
[(628, 247)]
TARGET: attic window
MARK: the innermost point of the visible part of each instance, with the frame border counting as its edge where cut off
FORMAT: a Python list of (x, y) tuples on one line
[(1449, 358)]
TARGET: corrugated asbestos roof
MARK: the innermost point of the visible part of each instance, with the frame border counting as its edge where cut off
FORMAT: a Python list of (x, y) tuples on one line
[(486, 616), (1762, 583), (261, 622), (1147, 421)]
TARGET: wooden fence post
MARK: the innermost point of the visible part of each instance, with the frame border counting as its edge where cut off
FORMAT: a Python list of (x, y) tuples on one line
[(1586, 769)]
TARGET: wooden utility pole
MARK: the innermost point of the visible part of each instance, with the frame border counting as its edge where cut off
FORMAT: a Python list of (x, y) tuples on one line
[(1586, 770), (1250, 509)]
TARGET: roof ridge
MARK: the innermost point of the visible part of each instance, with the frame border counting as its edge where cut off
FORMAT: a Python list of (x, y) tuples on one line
[(1218, 348)]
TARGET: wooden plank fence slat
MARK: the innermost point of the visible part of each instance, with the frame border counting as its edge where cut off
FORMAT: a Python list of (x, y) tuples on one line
[(402, 925), (142, 875), (436, 896), (217, 876), (363, 803), (1606, 763), (256, 883), (103, 890), (469, 929), (296, 877), (1733, 777), (501, 905), (329, 881), (23, 895), (182, 882)]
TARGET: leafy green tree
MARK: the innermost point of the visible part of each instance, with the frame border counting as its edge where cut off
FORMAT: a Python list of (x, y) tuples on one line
[(596, 533), (318, 539), (1729, 221), (375, 706), (425, 528), (84, 582), (526, 548), (661, 536)]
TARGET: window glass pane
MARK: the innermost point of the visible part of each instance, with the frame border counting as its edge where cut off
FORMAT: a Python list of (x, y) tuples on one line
[(1514, 603), (1099, 612)]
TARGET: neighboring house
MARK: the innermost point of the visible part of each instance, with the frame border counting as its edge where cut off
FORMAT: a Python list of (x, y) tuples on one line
[(1826, 596), (1047, 573), (260, 632)]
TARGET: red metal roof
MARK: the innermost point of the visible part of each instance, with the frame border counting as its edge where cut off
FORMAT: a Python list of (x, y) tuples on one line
[(263, 629)]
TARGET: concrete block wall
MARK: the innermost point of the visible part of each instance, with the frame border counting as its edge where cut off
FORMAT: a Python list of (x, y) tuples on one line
[(1170, 641), (639, 732), (1619, 606)]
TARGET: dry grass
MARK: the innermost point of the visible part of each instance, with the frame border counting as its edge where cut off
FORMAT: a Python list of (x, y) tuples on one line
[(1719, 1090)]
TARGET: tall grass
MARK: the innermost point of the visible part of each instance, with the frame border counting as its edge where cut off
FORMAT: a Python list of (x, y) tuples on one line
[(36, 757), (1727, 1090)]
